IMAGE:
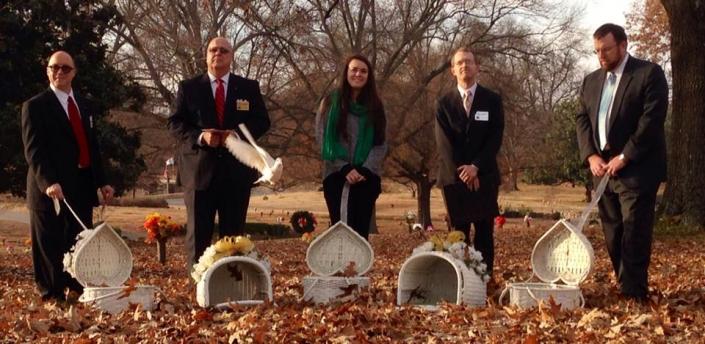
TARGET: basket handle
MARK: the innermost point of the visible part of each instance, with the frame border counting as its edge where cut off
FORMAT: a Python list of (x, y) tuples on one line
[(74, 215), (504, 293), (598, 194), (344, 202)]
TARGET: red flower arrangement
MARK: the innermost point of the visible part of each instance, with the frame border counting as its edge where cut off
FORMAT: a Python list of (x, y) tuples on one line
[(160, 227)]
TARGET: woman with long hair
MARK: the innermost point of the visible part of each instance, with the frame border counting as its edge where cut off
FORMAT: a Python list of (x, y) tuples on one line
[(350, 128)]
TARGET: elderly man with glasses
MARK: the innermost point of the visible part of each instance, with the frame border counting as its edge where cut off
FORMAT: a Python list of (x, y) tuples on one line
[(64, 163), (209, 107)]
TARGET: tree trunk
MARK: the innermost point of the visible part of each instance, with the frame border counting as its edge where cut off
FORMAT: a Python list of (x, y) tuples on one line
[(685, 190), (161, 250), (423, 202)]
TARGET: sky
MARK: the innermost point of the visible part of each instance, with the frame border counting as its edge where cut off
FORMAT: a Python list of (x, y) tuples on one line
[(598, 12)]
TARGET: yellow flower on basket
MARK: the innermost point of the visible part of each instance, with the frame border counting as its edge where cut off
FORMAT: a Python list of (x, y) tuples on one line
[(455, 236), (438, 243), (225, 245), (243, 245)]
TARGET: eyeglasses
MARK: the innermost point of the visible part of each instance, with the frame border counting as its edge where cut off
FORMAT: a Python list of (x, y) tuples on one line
[(604, 50), (63, 68), (218, 49)]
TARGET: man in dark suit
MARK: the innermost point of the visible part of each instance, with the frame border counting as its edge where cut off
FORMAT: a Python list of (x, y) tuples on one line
[(64, 162), (469, 129), (620, 129), (209, 107)]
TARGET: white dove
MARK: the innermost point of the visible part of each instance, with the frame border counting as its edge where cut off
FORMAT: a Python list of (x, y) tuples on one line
[(254, 156)]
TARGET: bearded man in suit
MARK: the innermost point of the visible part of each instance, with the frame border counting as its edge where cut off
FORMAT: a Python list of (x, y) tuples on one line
[(620, 128), (208, 108), (64, 161), (469, 129)]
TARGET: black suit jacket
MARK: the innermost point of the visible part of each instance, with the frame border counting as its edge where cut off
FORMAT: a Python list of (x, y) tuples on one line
[(463, 140), (51, 150), (194, 110), (636, 122)]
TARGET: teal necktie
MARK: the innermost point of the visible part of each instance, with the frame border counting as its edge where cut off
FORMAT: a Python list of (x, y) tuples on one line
[(603, 115)]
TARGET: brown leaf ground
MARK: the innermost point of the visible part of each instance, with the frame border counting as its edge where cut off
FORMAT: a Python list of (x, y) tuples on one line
[(675, 313)]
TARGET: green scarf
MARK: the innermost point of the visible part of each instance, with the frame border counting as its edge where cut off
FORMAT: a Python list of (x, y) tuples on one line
[(332, 149)]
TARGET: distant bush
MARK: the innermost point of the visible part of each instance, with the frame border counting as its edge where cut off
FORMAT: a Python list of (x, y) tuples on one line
[(258, 230), (140, 202)]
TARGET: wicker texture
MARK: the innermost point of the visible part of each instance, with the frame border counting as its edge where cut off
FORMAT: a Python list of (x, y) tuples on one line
[(527, 295), (562, 254), (234, 279), (428, 278), (114, 299), (320, 289), (99, 258), (333, 250)]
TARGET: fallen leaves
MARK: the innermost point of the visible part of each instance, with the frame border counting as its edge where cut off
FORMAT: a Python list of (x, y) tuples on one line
[(676, 312)]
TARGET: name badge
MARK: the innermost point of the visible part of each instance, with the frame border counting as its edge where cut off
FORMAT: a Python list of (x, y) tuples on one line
[(482, 116), (242, 105)]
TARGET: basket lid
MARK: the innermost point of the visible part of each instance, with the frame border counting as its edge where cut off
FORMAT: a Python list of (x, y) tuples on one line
[(334, 250), (100, 258), (564, 254)]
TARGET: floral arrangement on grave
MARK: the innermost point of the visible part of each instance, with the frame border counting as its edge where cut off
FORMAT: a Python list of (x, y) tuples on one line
[(159, 229), (454, 244), (226, 247), (303, 222)]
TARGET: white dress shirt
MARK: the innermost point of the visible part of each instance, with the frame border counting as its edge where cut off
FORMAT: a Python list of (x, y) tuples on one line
[(64, 100), (618, 72)]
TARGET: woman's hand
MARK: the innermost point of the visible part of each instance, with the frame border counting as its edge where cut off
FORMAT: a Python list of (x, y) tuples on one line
[(354, 177)]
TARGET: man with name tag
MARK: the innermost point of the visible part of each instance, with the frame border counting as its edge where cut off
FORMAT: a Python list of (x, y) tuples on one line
[(207, 109), (620, 128), (469, 129), (64, 161)]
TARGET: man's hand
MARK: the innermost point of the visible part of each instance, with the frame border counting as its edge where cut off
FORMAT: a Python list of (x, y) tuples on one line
[(597, 165), (55, 191), (467, 173), (107, 192), (354, 177), (617, 163), (474, 185), (212, 138)]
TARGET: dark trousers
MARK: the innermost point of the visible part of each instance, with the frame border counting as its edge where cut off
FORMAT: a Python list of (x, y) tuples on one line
[(53, 236), (228, 200), (483, 241), (361, 200), (627, 216)]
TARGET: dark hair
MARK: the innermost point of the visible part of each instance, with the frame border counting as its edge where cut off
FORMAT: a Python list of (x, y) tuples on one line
[(368, 97), (609, 28)]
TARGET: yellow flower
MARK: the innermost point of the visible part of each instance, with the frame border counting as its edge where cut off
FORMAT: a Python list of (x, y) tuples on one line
[(307, 237), (226, 245), (243, 245), (437, 243), (455, 236)]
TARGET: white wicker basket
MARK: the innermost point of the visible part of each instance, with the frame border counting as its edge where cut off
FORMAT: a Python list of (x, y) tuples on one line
[(562, 254), (99, 258), (333, 250), (101, 261), (320, 289), (115, 299), (235, 279), (527, 294), (428, 278)]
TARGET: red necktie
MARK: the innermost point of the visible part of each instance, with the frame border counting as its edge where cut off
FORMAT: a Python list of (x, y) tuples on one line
[(84, 157), (220, 102)]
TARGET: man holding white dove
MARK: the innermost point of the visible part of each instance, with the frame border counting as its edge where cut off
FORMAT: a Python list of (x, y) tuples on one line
[(208, 108)]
